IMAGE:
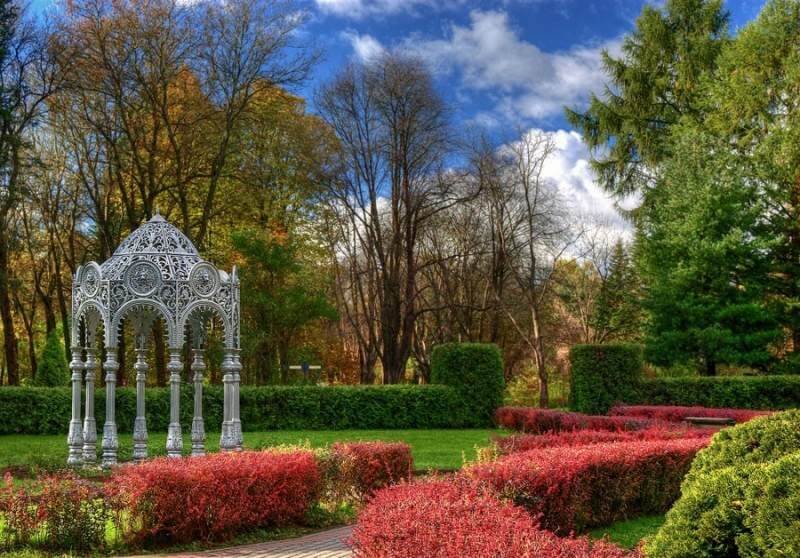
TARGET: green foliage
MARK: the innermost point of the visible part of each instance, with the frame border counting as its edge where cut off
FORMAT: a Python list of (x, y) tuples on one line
[(742, 392), (741, 496), (475, 370), (30, 410), (282, 295), (53, 369), (603, 375), (618, 310), (655, 82), (771, 510), (695, 255)]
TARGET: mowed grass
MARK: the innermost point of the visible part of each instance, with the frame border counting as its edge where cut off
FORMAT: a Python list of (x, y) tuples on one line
[(628, 533), (432, 449)]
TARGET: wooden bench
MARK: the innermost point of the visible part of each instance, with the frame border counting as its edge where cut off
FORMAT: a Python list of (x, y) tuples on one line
[(709, 422)]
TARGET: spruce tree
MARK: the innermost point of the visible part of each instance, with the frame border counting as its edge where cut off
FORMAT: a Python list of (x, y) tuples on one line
[(53, 369)]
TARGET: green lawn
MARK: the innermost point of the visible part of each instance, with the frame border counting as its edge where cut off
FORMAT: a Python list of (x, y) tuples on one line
[(628, 533), (432, 449)]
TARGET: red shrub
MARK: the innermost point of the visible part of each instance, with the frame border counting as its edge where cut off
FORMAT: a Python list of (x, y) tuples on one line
[(213, 497), (526, 442), (59, 511), (458, 520), (676, 414), (538, 421), (364, 467), (573, 488)]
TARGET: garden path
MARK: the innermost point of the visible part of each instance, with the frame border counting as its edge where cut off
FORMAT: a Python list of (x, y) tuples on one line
[(325, 544)]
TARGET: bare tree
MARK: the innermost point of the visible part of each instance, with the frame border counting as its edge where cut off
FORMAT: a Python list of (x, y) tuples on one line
[(532, 224), (394, 132), (27, 81)]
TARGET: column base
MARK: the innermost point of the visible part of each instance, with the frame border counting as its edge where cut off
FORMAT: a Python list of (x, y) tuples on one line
[(89, 441), (237, 434), (75, 441), (110, 444), (198, 437), (227, 440), (174, 440), (139, 439)]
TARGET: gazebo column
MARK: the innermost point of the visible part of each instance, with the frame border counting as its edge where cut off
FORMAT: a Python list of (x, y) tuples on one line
[(227, 440), (89, 423), (140, 423), (237, 423), (174, 439), (75, 437), (110, 441), (198, 426)]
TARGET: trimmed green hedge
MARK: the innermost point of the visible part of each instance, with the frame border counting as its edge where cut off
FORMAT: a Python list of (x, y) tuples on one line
[(34, 410), (738, 392), (475, 371), (603, 375)]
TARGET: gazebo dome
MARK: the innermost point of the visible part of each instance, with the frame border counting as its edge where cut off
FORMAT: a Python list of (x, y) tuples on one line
[(157, 270), (156, 241)]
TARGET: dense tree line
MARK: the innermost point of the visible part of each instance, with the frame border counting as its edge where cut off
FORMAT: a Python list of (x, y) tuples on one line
[(366, 231), (703, 127)]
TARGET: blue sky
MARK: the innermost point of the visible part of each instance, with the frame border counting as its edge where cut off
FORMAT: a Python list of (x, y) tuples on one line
[(507, 66), (498, 62)]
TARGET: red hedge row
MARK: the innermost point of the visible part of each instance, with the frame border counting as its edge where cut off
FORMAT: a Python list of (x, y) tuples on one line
[(525, 442), (364, 467), (456, 519), (677, 414), (213, 497), (574, 488), (538, 421)]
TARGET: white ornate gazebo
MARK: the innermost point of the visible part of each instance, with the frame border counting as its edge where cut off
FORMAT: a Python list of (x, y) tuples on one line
[(156, 273)]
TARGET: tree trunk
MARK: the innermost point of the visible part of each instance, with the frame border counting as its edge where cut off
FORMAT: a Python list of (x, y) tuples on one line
[(710, 367), (9, 333), (367, 360)]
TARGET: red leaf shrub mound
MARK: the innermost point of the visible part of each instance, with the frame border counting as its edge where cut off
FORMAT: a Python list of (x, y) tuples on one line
[(456, 519), (216, 496), (673, 413), (364, 467), (526, 442), (539, 421), (571, 489)]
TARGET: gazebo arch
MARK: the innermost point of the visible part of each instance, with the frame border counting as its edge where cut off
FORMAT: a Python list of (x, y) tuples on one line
[(155, 273)]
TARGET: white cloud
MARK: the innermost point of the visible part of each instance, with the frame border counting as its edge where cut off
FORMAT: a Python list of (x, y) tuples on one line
[(568, 168), (365, 47), (490, 55)]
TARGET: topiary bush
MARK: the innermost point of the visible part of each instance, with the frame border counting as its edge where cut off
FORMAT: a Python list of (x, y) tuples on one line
[(603, 375), (772, 510), (216, 496), (455, 519), (53, 369), (570, 489), (674, 413), (740, 497), (475, 370)]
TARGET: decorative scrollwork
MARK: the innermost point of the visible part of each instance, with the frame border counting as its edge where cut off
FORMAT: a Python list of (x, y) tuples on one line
[(143, 278), (90, 280), (204, 279)]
